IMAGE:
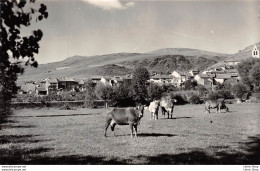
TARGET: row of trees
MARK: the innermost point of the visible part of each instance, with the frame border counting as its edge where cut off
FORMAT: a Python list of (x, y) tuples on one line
[(123, 95)]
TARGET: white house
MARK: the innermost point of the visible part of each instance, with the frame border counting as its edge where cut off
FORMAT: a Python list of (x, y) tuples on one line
[(162, 79), (105, 80), (179, 75)]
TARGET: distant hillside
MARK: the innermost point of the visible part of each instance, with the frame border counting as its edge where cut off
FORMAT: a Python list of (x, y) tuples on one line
[(162, 61), (240, 55), (245, 53), (169, 63)]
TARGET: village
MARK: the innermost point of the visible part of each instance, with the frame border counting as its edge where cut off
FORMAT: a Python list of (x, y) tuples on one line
[(208, 78)]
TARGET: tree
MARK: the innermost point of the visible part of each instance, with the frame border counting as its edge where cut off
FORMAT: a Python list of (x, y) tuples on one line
[(190, 85), (202, 90), (254, 74), (244, 68), (239, 90), (139, 89), (104, 92), (90, 94), (14, 46), (121, 96), (155, 91)]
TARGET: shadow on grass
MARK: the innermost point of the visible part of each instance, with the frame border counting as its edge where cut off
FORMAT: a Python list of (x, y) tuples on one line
[(43, 116), (155, 135), (251, 155), (5, 139), (179, 118)]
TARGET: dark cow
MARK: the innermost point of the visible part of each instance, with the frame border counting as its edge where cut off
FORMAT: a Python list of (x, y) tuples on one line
[(219, 104), (124, 116), (167, 106)]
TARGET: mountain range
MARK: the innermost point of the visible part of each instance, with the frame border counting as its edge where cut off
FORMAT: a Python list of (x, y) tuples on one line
[(161, 61)]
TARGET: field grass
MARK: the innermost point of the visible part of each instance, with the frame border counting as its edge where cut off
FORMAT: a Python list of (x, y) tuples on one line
[(53, 136)]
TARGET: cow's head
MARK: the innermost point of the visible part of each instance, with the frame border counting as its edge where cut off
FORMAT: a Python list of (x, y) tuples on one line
[(140, 109)]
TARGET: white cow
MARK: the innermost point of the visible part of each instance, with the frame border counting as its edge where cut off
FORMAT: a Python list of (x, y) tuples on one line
[(153, 109), (167, 106)]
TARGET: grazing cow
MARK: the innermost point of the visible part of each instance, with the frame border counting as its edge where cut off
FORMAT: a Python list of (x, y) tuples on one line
[(153, 109), (219, 104), (124, 116), (167, 106)]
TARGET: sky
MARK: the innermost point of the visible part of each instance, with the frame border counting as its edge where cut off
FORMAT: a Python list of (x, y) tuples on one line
[(98, 27)]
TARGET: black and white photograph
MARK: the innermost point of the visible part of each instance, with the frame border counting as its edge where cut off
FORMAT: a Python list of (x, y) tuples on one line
[(129, 82)]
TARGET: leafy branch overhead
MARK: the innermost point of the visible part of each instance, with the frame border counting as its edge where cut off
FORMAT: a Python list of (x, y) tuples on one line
[(14, 46), (15, 14)]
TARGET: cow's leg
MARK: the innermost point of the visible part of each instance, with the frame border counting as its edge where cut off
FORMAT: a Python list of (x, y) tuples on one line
[(207, 109), (227, 110), (163, 112), (151, 116), (113, 127), (156, 116), (218, 109), (135, 128), (108, 121), (172, 111), (131, 128)]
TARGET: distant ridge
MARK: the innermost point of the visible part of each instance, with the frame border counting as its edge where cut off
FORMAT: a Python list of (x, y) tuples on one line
[(245, 53), (187, 52), (162, 60)]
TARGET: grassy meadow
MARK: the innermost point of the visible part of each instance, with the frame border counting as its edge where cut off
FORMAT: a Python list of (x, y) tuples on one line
[(53, 136)]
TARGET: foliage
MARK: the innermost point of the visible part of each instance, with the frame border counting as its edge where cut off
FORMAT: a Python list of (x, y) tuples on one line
[(190, 85), (226, 94), (168, 88), (239, 90), (254, 74), (247, 76), (195, 99), (213, 95), (138, 88), (202, 90), (14, 15), (103, 91), (121, 96), (90, 96), (52, 96), (155, 91), (184, 96)]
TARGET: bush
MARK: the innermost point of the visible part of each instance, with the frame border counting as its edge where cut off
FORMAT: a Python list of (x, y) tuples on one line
[(121, 97), (226, 94), (213, 95), (195, 99), (202, 90), (239, 90), (155, 92)]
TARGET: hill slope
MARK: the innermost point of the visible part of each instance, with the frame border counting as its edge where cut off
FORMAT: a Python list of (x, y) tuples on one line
[(162, 60), (169, 63), (188, 52)]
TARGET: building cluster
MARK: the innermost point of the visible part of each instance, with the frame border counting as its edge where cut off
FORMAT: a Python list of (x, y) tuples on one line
[(207, 78), (45, 86)]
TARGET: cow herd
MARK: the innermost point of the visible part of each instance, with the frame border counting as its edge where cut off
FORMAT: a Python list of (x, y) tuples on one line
[(132, 116)]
